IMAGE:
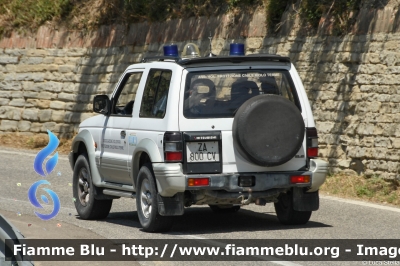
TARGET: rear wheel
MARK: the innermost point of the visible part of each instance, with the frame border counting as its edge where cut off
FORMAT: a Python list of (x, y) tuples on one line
[(147, 204), (285, 212), (86, 205), (225, 208)]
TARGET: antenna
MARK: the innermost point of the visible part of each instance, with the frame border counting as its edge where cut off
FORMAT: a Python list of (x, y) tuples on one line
[(210, 54)]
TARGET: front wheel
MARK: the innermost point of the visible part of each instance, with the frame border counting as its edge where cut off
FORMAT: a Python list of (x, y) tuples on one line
[(285, 212), (86, 205), (147, 204)]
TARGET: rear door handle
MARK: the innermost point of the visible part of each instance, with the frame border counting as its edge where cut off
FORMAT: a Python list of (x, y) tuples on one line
[(123, 133)]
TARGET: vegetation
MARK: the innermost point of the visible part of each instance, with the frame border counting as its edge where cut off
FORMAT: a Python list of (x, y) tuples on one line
[(89, 14), (16, 14), (374, 189), (342, 13), (35, 142)]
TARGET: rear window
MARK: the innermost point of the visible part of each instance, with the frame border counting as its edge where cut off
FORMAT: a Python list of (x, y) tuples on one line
[(221, 93)]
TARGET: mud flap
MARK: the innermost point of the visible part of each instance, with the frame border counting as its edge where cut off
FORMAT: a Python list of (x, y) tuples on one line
[(303, 201), (170, 206)]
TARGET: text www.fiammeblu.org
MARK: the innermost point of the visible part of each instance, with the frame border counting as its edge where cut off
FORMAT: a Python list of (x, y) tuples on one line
[(280, 251), (230, 250)]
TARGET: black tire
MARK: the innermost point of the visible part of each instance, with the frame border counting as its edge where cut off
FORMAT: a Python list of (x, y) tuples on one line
[(147, 204), (285, 212), (268, 130), (224, 208), (83, 189)]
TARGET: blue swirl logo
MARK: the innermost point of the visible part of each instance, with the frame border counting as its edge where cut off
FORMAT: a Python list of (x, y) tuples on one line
[(42, 155), (32, 198), (49, 167)]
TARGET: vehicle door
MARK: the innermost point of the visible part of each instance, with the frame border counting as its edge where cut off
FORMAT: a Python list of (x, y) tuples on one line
[(114, 140)]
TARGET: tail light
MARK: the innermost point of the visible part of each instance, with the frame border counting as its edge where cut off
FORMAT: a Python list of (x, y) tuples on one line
[(297, 179), (312, 142), (198, 182), (173, 147)]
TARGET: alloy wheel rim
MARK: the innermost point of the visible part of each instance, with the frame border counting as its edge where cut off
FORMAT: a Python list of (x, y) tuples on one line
[(83, 187), (146, 199)]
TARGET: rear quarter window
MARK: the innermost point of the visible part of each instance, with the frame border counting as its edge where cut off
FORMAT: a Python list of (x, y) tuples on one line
[(155, 95)]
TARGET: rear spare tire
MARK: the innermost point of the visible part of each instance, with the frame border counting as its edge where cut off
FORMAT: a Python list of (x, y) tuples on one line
[(268, 130)]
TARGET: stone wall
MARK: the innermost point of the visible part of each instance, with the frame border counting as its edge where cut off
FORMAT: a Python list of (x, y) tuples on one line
[(48, 80)]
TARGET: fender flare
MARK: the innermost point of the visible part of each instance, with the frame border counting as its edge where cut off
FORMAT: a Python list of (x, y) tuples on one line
[(149, 147), (87, 139)]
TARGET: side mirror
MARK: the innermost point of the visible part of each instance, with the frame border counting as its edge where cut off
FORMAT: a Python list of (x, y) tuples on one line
[(101, 104)]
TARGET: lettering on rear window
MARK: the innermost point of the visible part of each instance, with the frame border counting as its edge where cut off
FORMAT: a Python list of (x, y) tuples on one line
[(205, 137)]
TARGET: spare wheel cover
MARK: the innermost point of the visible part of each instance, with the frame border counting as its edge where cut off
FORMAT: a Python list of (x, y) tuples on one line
[(268, 130)]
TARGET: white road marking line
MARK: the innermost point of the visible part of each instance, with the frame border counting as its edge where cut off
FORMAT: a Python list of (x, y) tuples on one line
[(362, 203), (29, 154), (30, 204), (18, 153)]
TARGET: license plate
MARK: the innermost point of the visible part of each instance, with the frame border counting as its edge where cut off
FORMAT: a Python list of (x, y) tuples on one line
[(198, 152)]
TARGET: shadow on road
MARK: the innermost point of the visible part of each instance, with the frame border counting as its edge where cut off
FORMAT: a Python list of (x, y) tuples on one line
[(204, 221)]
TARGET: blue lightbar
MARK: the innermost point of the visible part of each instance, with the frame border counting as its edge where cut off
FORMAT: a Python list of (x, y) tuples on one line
[(171, 50), (236, 49)]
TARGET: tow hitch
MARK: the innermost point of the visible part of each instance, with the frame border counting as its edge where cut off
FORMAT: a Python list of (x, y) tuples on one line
[(248, 200)]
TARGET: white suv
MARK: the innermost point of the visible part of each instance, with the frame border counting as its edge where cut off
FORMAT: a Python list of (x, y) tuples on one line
[(222, 131)]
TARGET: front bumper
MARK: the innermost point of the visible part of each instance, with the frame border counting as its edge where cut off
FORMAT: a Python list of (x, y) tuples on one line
[(171, 180)]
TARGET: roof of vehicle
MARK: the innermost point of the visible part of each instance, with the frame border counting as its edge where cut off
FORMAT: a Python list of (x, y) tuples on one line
[(218, 59)]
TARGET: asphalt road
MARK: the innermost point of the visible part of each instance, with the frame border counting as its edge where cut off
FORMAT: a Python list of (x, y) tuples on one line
[(336, 219)]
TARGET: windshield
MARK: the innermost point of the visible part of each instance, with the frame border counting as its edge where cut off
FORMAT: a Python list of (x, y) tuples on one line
[(221, 93)]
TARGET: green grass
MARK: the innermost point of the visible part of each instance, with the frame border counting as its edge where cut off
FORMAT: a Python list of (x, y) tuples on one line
[(16, 14), (374, 189), (89, 14)]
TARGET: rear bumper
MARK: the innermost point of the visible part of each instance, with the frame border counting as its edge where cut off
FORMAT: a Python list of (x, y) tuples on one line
[(319, 168), (263, 181), (171, 180)]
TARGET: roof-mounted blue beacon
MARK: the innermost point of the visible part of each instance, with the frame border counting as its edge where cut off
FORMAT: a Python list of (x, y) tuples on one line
[(171, 50), (236, 49)]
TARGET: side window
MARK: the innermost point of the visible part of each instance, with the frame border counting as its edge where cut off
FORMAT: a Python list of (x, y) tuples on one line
[(125, 97), (155, 95)]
